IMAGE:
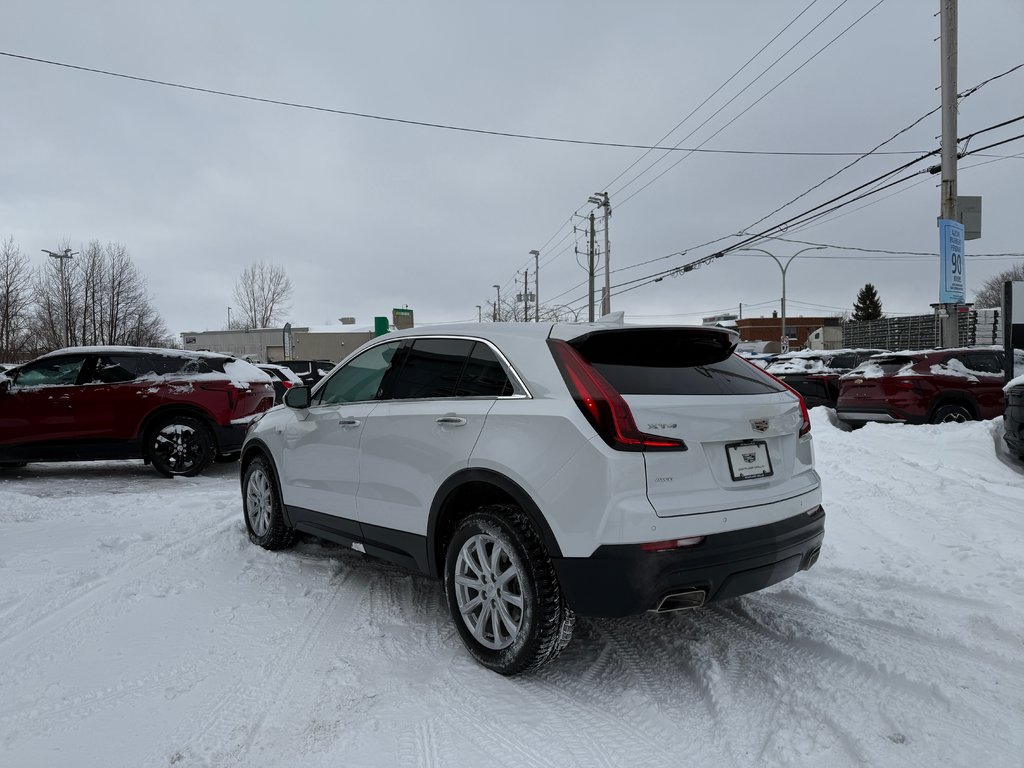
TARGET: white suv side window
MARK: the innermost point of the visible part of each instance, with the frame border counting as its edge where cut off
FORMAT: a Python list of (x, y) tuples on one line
[(432, 368), (359, 380)]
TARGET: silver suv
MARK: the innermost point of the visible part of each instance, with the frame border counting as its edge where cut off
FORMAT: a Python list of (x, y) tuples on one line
[(546, 471)]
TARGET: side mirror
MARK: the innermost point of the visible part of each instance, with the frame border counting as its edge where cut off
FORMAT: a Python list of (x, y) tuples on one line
[(297, 397)]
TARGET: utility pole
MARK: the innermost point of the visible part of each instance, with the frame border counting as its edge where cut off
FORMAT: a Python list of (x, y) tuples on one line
[(590, 269), (479, 314), (498, 304), (601, 199), (229, 318), (948, 21), (536, 285), (949, 104), (526, 295)]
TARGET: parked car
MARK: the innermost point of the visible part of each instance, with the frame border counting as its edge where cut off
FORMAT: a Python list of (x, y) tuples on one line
[(1013, 422), (310, 371), (281, 377), (815, 373), (176, 410), (545, 471), (924, 387)]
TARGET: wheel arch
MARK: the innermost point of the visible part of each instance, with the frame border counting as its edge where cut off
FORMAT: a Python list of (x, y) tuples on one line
[(164, 412), (954, 397), (257, 448), (466, 491)]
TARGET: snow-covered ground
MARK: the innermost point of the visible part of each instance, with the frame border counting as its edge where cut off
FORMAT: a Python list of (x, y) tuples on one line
[(139, 627)]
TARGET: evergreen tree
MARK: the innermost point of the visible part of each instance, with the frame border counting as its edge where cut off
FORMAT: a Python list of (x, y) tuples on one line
[(868, 306)]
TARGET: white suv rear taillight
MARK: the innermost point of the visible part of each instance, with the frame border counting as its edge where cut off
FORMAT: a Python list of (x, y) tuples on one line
[(603, 406)]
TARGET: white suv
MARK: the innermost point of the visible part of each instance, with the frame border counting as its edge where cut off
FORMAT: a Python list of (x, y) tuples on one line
[(546, 471)]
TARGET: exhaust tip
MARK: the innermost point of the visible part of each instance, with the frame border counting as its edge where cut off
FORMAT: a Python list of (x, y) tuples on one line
[(812, 558), (680, 601)]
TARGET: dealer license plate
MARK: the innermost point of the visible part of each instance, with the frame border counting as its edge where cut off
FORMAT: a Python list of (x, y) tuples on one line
[(749, 461)]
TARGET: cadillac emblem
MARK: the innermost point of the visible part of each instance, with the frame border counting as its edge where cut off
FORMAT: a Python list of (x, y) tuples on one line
[(759, 425)]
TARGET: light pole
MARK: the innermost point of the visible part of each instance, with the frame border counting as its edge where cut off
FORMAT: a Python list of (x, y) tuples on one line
[(479, 314), (65, 289), (784, 340), (536, 286), (498, 304), (229, 318)]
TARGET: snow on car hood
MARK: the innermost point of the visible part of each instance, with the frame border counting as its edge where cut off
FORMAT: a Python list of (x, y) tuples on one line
[(243, 373), (799, 365)]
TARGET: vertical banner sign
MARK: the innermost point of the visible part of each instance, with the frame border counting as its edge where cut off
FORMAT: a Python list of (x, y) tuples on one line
[(952, 280), (286, 341)]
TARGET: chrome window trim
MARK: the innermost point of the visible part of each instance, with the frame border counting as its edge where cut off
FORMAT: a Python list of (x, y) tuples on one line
[(522, 392)]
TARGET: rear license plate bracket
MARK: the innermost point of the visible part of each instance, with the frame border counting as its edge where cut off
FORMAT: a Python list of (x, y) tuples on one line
[(749, 460)]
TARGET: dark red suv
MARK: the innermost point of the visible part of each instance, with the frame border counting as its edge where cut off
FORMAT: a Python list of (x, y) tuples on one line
[(924, 387), (176, 410)]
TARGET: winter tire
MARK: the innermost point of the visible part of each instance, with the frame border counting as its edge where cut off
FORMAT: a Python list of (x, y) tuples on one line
[(503, 593), (261, 502), (952, 413), (181, 445)]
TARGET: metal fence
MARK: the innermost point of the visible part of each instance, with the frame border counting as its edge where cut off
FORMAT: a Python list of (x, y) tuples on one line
[(975, 328)]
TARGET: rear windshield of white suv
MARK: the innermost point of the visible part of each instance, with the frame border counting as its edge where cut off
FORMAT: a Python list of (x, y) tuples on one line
[(664, 361)]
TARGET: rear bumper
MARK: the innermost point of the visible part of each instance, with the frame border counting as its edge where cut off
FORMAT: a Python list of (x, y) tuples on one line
[(231, 437), (1013, 424), (622, 579), (883, 415)]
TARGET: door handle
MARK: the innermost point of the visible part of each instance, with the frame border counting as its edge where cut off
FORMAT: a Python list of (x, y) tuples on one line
[(451, 421), (349, 423)]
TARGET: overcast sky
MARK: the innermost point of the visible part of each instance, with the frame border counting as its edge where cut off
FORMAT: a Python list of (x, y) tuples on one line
[(367, 215)]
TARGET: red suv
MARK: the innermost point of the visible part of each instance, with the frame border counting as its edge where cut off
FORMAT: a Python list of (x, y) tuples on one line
[(176, 410), (924, 387)]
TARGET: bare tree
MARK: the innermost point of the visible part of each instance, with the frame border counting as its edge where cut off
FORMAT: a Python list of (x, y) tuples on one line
[(991, 292), (262, 293), (99, 298), (15, 301), (513, 312)]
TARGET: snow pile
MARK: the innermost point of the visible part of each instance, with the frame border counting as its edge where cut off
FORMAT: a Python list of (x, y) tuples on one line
[(141, 628)]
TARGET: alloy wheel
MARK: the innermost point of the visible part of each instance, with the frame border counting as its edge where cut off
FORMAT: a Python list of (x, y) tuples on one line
[(489, 591), (259, 502)]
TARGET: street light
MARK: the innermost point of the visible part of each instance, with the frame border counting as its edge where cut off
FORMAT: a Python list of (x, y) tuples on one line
[(536, 286), (784, 340), (65, 289), (496, 306)]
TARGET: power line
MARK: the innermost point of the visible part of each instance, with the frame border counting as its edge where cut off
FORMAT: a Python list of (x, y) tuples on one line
[(419, 123), (962, 97), (715, 93), (761, 98), (878, 250), (807, 216), (681, 122)]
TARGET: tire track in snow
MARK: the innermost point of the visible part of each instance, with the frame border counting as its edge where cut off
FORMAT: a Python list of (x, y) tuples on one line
[(743, 651), (886, 632), (61, 617), (856, 683), (35, 719), (223, 729)]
